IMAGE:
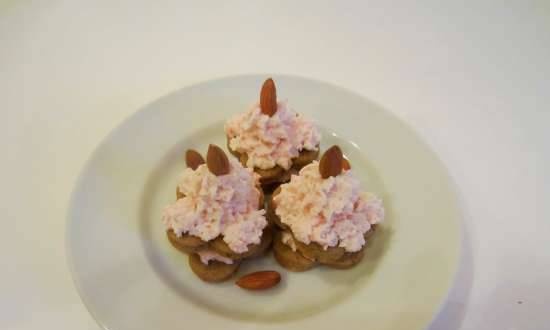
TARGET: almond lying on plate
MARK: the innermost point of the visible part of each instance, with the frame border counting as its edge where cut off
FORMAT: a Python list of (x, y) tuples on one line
[(259, 280)]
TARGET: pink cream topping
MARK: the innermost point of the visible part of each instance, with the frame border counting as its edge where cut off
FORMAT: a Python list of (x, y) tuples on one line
[(208, 255), (270, 141), (218, 205), (286, 239), (330, 212)]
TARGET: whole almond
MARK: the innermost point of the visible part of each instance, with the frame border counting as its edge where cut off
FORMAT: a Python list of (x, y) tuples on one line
[(331, 162), (193, 159), (259, 280), (217, 161), (345, 164), (268, 98)]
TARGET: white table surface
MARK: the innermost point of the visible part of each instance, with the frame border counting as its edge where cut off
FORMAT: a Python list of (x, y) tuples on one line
[(473, 79)]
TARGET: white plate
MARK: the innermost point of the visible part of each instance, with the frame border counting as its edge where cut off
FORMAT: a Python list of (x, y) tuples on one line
[(130, 277)]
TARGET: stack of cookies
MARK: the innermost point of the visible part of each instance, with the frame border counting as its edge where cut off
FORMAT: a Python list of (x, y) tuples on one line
[(322, 216), (218, 218), (272, 139)]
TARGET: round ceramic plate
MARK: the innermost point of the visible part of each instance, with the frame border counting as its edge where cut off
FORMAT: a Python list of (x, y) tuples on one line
[(130, 277)]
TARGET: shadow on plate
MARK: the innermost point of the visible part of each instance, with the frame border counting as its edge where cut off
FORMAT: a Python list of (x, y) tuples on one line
[(452, 313)]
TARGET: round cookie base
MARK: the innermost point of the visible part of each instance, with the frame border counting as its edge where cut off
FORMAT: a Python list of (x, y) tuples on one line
[(215, 271)]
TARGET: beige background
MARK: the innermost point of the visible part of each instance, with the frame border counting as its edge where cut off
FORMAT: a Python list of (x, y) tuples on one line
[(472, 79)]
